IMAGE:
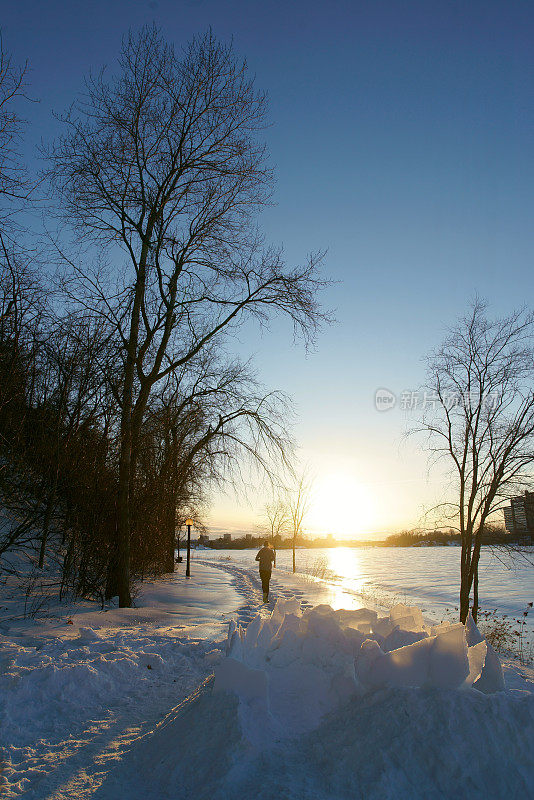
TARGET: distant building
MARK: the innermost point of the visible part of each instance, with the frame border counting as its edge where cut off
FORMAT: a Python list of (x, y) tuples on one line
[(203, 538), (519, 515), (227, 537), (248, 536)]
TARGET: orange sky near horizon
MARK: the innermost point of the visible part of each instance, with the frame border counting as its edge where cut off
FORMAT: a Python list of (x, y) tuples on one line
[(351, 498)]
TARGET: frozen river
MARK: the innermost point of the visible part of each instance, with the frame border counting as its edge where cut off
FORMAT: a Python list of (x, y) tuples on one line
[(427, 576)]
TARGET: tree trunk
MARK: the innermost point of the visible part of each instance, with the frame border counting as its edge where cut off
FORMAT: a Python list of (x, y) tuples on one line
[(294, 566), (123, 514), (67, 565), (125, 462), (464, 586), (46, 526), (464, 604), (42, 549), (475, 592)]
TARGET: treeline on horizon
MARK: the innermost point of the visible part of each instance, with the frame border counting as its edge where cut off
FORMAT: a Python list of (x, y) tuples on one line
[(494, 534), (122, 402)]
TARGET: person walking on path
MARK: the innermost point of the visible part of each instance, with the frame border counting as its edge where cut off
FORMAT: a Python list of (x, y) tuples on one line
[(267, 560)]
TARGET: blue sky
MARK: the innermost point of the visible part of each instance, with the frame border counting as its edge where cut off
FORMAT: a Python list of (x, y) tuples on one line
[(402, 137)]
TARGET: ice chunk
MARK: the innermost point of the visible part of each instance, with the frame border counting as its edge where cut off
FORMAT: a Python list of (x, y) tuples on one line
[(285, 650), (410, 665), (326, 628), (369, 658), (354, 639), (407, 624), (252, 631), (449, 665), (342, 687), (362, 619), (383, 626), (322, 610), (491, 679), (318, 651), (400, 638), (435, 630), (290, 622), (232, 626), (283, 606), (408, 618), (265, 635), (477, 657), (472, 633), (433, 661), (235, 646), (89, 635)]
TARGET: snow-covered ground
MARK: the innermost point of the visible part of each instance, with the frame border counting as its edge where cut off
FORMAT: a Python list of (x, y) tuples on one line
[(121, 703)]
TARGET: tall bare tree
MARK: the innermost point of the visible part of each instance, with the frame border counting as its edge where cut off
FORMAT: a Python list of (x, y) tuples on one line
[(162, 166), (480, 418)]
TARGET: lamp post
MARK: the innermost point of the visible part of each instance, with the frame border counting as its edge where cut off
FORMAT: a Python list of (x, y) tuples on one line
[(188, 522)]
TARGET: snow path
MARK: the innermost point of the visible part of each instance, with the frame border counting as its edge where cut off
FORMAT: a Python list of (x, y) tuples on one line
[(247, 583), (309, 591)]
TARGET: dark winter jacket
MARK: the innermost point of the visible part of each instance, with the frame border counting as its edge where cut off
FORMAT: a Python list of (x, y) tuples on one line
[(266, 557)]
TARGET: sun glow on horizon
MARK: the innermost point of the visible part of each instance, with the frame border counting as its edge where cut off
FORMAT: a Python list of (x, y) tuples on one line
[(342, 505)]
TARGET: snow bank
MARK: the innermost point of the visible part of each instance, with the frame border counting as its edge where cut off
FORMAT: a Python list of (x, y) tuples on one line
[(319, 705), (392, 744), (292, 668)]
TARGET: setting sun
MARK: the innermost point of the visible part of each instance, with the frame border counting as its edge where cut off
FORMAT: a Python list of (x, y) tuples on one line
[(341, 505)]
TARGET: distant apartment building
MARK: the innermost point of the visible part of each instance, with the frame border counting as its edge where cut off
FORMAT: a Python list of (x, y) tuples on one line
[(519, 515), (248, 537), (227, 537), (203, 538)]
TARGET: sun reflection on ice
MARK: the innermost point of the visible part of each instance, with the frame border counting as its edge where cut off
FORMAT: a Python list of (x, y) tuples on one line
[(347, 592)]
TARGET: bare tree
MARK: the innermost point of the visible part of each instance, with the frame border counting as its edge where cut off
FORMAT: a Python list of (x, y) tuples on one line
[(277, 517), (298, 503), (22, 304), (481, 420), (14, 184), (163, 168), (212, 418)]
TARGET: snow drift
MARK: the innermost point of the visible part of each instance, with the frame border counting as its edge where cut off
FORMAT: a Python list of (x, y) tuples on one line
[(291, 669), (342, 704)]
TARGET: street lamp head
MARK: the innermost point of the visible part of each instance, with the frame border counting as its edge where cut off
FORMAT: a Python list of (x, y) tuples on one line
[(189, 522)]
